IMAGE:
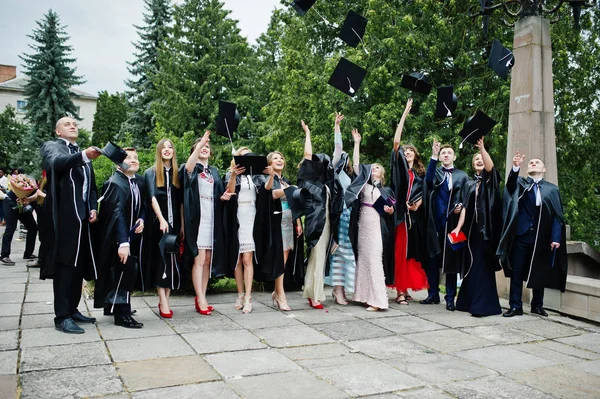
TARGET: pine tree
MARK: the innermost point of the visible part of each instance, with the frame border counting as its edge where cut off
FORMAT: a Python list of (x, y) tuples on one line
[(142, 92), (50, 78), (12, 133), (111, 112)]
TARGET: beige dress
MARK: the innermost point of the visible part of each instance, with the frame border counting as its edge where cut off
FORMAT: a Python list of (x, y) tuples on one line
[(315, 270)]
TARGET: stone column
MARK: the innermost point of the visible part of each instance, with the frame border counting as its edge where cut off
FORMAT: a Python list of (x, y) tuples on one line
[(531, 110)]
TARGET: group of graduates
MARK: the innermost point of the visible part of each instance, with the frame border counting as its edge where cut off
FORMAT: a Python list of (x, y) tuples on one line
[(341, 225)]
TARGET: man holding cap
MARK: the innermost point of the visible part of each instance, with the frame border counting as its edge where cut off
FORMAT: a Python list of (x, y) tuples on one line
[(71, 204), (444, 204), (532, 245)]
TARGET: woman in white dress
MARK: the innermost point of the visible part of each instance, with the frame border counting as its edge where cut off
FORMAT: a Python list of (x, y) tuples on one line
[(241, 245)]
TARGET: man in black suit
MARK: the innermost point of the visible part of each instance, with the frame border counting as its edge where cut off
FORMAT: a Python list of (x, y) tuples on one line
[(71, 205), (532, 245)]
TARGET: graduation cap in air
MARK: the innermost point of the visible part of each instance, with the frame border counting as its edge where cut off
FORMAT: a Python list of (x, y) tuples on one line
[(253, 163), (446, 102), (347, 77), (475, 127), (115, 154), (501, 59), (302, 6), (300, 201), (416, 81), (353, 29), (227, 121)]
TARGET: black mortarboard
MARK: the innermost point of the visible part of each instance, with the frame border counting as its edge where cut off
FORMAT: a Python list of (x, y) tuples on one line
[(501, 59), (416, 81), (168, 244), (254, 163), (299, 200), (353, 29), (475, 127), (302, 6), (227, 120), (446, 102), (347, 77), (115, 154)]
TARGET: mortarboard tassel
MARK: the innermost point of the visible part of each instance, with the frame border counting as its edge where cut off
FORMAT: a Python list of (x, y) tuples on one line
[(466, 137)]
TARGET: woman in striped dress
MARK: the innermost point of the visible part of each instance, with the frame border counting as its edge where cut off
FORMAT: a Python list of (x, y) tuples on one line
[(342, 261)]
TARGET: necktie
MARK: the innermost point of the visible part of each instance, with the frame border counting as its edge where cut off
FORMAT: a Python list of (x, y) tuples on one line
[(73, 149), (135, 191), (538, 195), (448, 176)]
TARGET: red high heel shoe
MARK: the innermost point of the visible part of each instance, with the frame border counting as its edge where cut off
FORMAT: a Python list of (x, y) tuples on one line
[(205, 312), (165, 315), (315, 306)]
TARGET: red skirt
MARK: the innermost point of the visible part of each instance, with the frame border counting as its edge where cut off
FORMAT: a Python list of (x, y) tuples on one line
[(409, 273)]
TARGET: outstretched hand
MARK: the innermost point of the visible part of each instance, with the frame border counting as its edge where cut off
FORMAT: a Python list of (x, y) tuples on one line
[(435, 148), (338, 118), (518, 159), (408, 107), (356, 135), (205, 139), (480, 145), (305, 127)]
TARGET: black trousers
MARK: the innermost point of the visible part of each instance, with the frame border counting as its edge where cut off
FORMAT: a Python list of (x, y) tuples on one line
[(520, 259), (12, 217), (68, 282)]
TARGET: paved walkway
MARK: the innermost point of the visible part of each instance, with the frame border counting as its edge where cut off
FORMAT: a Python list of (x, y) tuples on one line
[(414, 351)]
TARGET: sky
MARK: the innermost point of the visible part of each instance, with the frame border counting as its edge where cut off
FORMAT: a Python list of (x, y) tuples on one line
[(101, 33)]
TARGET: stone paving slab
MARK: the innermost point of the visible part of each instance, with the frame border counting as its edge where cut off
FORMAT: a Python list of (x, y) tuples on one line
[(73, 382), (16, 299), (291, 385), (39, 287), (253, 321), (37, 321), (167, 372), (545, 329), (8, 386), (318, 316), (13, 309), (38, 307), (492, 387), (223, 341), (367, 378), (8, 362), (49, 336), (280, 337), (253, 362), (9, 323), (257, 307), (124, 350), (458, 319), (216, 389), (407, 324), (501, 334), (151, 328), (448, 341), (198, 323), (590, 342), (9, 340), (563, 381), (360, 311), (424, 393), (352, 330), (326, 355), (44, 296), (556, 352), (505, 359), (591, 367), (63, 356), (388, 347)]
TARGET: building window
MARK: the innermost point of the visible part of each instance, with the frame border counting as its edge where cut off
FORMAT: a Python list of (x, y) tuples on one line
[(21, 104)]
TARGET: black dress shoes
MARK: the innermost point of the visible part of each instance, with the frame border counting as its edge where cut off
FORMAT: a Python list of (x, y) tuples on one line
[(29, 257), (514, 312), (78, 317), (430, 300), (68, 326), (127, 322), (7, 261), (539, 310), (450, 306)]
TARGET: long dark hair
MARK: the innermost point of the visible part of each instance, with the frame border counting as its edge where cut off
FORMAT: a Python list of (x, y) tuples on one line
[(418, 162)]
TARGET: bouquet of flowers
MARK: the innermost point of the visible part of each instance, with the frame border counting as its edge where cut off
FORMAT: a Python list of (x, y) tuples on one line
[(22, 186)]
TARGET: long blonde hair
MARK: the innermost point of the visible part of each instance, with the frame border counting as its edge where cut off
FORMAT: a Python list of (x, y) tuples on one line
[(237, 154), (382, 172), (159, 165)]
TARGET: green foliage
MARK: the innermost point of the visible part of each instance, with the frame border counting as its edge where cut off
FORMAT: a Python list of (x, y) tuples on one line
[(12, 134), (111, 112), (142, 93), (50, 78)]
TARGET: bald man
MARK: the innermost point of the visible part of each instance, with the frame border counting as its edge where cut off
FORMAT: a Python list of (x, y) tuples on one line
[(71, 205)]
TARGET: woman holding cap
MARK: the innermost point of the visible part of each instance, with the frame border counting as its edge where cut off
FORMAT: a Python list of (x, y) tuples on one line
[(407, 172), (371, 232), (203, 191), (164, 192), (482, 215), (240, 219), (279, 243)]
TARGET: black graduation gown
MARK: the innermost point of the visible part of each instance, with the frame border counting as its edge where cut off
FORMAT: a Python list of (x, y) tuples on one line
[(191, 214), (158, 273), (232, 225), (388, 222), (117, 217), (269, 243), (337, 199), (400, 185), (65, 213), (317, 176), (437, 244), (548, 269)]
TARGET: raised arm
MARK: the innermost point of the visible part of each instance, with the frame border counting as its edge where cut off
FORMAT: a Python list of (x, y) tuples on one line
[(511, 182), (435, 151), (356, 154), (400, 127), (307, 143), (337, 141), (488, 164), (193, 159)]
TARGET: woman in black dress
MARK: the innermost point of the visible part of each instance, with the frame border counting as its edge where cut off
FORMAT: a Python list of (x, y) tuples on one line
[(164, 193)]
